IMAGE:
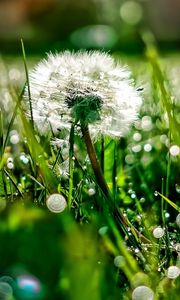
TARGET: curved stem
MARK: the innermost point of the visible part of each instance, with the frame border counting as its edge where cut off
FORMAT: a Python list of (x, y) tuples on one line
[(104, 187), (71, 153)]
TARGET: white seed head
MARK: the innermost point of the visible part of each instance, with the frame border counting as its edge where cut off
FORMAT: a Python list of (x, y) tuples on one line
[(58, 81), (173, 272), (158, 232), (56, 203), (142, 293)]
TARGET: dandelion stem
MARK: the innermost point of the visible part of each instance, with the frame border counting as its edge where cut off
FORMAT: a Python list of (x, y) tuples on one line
[(104, 187), (102, 154), (71, 153)]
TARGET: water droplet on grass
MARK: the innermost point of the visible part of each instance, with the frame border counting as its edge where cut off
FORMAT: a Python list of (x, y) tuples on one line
[(177, 188), (177, 247), (133, 195), (103, 230), (174, 150), (178, 220), (158, 232), (142, 293), (10, 165), (56, 203), (119, 261), (142, 200), (173, 272), (156, 193), (91, 192)]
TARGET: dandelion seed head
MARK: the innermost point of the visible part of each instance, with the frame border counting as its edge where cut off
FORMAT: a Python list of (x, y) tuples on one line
[(86, 87)]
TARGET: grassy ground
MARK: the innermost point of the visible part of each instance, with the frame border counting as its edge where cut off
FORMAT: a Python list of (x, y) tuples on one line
[(82, 253)]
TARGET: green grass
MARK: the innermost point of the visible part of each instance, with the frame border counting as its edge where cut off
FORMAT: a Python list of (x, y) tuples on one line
[(72, 253)]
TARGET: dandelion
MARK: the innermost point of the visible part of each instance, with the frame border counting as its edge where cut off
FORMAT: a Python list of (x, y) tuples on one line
[(86, 87), (88, 91)]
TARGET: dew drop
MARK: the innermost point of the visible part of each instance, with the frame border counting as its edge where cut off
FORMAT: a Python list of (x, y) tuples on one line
[(178, 220), (174, 150), (173, 272), (156, 193), (10, 165), (158, 232), (177, 247), (56, 203), (14, 139), (136, 148), (142, 200), (142, 293), (137, 136), (91, 191), (167, 215), (147, 147), (136, 250), (119, 261), (133, 195), (177, 188), (103, 230)]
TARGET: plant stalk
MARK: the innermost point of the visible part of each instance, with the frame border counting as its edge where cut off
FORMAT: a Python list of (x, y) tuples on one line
[(104, 187)]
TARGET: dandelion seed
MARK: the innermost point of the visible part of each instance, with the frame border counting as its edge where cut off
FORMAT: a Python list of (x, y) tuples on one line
[(89, 86)]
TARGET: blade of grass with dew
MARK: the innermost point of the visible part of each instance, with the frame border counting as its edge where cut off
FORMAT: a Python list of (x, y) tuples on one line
[(131, 262), (13, 182), (27, 81), (13, 117), (175, 206), (166, 96), (162, 203), (168, 169)]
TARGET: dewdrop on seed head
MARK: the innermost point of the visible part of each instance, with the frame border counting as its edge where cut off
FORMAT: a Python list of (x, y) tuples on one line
[(142, 293), (84, 87), (56, 203)]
